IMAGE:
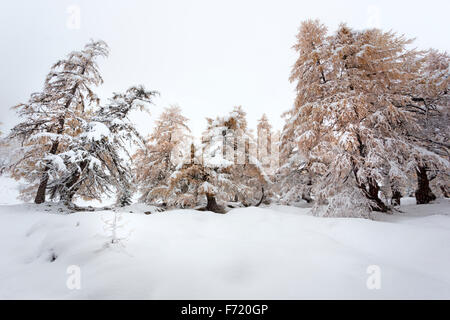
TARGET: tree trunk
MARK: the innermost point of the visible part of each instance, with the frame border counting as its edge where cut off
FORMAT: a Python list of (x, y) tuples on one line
[(212, 204), (69, 185), (262, 198), (40, 194), (396, 197), (372, 194), (424, 195)]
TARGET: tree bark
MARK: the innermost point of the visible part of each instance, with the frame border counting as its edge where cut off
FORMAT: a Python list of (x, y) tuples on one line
[(70, 184), (424, 195), (212, 204), (396, 197), (40, 194)]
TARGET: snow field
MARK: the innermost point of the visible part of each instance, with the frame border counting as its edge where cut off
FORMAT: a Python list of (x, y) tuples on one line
[(252, 253)]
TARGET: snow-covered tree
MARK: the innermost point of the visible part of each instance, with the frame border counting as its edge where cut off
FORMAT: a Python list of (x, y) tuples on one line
[(294, 177), (289, 176), (98, 161), (294, 180), (52, 118), (429, 101), (115, 226), (349, 125), (211, 174), (164, 150), (189, 185)]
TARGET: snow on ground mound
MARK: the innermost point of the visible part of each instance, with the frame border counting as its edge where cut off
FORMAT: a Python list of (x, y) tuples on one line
[(251, 253)]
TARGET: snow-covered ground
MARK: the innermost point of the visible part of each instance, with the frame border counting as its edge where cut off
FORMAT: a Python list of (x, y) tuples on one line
[(253, 253)]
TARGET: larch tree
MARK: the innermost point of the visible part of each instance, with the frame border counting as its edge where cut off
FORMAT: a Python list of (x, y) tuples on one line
[(348, 123), (8, 152), (52, 118), (249, 173), (164, 150), (222, 169)]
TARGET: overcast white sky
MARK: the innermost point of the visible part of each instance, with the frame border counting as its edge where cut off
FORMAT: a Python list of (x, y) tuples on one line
[(206, 56)]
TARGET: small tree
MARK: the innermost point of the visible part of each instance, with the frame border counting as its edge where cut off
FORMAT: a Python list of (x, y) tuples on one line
[(3, 159), (222, 169)]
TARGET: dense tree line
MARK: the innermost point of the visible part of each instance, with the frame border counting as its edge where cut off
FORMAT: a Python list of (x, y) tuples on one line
[(369, 125)]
